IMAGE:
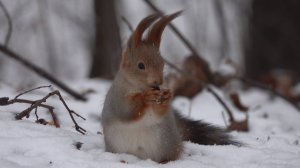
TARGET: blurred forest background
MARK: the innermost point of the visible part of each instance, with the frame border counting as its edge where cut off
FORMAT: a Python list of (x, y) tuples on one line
[(75, 39)]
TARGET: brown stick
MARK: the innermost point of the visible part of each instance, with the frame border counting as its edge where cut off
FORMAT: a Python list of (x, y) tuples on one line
[(37, 103), (5, 101), (77, 127), (31, 90), (40, 72)]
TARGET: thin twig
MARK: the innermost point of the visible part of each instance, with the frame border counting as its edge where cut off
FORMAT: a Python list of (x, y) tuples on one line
[(5, 101), (41, 72), (224, 119), (9, 32), (229, 112), (55, 119), (12, 101), (34, 105), (39, 103), (127, 23), (36, 115), (48, 86), (77, 127)]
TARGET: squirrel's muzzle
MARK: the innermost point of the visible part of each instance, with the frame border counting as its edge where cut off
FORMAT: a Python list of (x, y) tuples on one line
[(155, 81)]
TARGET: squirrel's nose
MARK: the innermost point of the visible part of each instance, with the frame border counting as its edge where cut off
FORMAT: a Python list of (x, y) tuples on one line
[(155, 81)]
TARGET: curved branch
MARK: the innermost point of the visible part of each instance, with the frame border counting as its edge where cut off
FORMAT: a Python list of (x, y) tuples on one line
[(41, 72), (127, 23), (9, 33)]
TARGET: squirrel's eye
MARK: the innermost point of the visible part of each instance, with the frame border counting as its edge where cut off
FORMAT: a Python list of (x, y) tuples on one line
[(141, 66)]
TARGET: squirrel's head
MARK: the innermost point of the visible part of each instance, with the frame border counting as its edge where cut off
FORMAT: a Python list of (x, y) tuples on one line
[(142, 64)]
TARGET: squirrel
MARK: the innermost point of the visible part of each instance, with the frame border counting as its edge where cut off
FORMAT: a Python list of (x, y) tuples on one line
[(137, 117)]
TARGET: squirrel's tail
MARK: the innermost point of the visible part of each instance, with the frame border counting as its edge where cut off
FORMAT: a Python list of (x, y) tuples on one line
[(203, 133)]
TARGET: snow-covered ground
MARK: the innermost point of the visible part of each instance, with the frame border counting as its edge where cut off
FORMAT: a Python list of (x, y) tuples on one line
[(273, 140)]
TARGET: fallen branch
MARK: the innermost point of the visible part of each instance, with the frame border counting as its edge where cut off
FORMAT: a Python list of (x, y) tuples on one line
[(4, 101), (41, 72)]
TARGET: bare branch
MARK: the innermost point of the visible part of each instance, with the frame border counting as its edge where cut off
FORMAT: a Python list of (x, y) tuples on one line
[(12, 101), (31, 90), (127, 23), (34, 104), (4, 101), (55, 119), (41, 72), (37, 103), (9, 32), (229, 112), (36, 115), (77, 127)]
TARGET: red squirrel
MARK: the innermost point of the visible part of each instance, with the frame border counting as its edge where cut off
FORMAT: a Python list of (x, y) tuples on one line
[(137, 116)]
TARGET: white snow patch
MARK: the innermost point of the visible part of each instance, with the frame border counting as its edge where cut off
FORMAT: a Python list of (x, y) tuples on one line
[(273, 140)]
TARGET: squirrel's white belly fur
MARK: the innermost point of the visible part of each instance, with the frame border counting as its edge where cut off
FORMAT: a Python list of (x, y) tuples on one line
[(141, 138)]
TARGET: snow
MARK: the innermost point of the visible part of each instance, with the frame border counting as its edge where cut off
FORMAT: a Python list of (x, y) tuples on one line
[(273, 140)]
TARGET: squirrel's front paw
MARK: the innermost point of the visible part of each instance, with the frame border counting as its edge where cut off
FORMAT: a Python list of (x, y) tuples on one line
[(157, 96), (152, 95), (166, 96)]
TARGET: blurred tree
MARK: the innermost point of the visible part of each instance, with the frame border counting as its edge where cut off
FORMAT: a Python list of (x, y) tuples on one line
[(222, 24), (274, 37), (107, 47)]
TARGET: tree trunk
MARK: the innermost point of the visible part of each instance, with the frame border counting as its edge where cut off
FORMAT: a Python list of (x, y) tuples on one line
[(274, 37), (107, 49)]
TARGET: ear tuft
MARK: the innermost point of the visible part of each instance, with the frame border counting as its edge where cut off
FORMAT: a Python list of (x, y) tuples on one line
[(136, 37), (154, 35)]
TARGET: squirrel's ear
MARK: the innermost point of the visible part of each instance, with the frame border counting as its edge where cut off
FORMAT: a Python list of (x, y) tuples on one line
[(154, 35), (136, 37)]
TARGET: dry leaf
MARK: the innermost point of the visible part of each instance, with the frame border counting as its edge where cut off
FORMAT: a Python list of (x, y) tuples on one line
[(237, 102), (239, 126)]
